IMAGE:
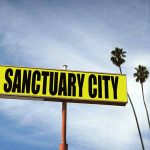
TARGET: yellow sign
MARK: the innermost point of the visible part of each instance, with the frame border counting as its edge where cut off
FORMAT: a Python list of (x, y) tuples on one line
[(63, 85)]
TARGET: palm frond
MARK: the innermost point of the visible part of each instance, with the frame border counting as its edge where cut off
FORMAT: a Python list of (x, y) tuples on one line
[(141, 74), (117, 56)]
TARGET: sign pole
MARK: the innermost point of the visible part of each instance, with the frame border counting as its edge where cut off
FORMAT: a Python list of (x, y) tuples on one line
[(63, 86), (64, 145)]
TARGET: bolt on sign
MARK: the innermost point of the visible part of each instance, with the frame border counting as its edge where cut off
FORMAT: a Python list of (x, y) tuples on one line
[(62, 85)]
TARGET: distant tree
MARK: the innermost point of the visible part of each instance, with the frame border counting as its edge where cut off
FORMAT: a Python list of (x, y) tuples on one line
[(117, 58), (141, 76)]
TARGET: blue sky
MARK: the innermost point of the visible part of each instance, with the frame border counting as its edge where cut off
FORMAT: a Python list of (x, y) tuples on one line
[(81, 34)]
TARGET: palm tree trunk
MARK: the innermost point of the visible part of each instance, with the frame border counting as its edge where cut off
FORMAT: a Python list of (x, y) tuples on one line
[(136, 119), (137, 122), (120, 70), (145, 105)]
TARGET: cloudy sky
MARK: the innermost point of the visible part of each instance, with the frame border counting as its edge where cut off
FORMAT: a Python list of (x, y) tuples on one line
[(81, 34)]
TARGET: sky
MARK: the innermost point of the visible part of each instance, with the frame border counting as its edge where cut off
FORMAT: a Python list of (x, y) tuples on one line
[(81, 34)]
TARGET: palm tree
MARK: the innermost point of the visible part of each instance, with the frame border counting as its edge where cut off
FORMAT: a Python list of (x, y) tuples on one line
[(117, 58), (141, 75)]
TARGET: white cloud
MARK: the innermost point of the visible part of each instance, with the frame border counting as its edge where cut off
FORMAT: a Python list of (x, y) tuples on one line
[(51, 39)]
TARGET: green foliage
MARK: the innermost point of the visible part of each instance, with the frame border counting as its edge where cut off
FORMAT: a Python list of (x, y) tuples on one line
[(141, 74), (117, 56)]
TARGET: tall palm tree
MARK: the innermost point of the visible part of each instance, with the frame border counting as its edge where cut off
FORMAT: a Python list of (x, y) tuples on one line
[(117, 58), (141, 75)]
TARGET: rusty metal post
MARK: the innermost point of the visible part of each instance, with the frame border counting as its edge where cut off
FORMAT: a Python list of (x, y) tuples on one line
[(64, 145)]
